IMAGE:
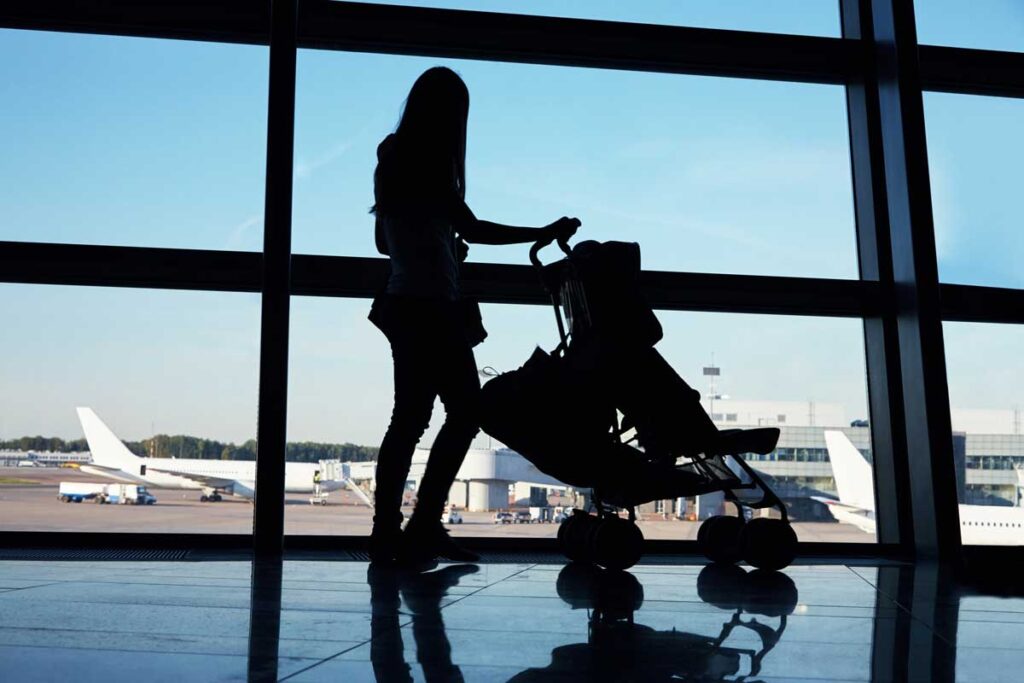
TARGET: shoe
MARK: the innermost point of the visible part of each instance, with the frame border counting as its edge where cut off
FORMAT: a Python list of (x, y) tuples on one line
[(425, 542), (385, 540)]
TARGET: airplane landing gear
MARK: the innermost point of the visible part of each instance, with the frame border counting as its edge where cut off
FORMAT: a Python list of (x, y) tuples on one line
[(210, 496)]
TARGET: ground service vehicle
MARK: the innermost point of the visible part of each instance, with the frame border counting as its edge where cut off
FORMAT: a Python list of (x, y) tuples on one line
[(122, 494), (126, 494), (541, 514), (76, 492), (451, 517)]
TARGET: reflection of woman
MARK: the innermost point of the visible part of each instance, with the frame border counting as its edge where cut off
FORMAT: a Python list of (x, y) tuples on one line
[(422, 594), (423, 223)]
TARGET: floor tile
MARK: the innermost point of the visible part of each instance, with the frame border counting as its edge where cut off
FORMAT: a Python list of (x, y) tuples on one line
[(47, 664)]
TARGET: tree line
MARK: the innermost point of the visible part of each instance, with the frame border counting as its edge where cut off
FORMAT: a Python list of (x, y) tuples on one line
[(182, 446)]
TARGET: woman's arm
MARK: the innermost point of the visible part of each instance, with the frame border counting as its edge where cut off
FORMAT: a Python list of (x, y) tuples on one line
[(476, 231)]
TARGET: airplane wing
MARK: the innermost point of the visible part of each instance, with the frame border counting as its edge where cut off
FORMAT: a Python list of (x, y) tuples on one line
[(204, 479)]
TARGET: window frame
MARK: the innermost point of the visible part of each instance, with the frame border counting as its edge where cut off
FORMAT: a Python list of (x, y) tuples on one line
[(898, 295)]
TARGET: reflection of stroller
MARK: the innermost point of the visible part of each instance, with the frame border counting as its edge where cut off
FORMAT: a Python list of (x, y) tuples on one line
[(605, 411), (617, 648)]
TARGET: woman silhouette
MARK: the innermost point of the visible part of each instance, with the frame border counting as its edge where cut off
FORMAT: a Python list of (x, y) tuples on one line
[(423, 224)]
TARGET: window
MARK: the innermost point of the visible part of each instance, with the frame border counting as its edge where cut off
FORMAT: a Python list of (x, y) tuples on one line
[(987, 25), (985, 398), (707, 174), (341, 394), (974, 155), (161, 143), (131, 141), (171, 374)]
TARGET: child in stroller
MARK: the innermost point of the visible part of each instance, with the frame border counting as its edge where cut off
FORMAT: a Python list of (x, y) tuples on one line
[(606, 411)]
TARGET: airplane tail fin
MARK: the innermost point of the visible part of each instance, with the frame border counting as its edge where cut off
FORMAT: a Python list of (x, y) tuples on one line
[(854, 481), (107, 450)]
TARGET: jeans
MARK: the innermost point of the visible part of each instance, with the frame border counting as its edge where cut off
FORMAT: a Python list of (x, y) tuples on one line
[(432, 359)]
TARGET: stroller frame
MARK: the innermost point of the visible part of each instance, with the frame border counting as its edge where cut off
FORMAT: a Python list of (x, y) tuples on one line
[(572, 314)]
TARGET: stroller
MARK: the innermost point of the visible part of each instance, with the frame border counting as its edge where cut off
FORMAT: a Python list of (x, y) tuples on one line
[(606, 412)]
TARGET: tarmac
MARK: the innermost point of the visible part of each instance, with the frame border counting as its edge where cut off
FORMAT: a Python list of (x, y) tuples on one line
[(28, 502)]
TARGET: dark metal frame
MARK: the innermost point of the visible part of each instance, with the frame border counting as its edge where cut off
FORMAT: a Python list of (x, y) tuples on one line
[(898, 294)]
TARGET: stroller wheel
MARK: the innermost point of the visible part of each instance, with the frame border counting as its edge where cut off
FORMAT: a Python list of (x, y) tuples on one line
[(719, 538), (768, 543), (575, 534), (616, 543)]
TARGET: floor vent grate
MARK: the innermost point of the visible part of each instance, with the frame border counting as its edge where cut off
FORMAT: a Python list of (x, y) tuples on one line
[(498, 557), (93, 555)]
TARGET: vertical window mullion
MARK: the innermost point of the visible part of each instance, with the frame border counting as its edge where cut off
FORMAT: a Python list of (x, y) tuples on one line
[(925, 394), (268, 524), (881, 346)]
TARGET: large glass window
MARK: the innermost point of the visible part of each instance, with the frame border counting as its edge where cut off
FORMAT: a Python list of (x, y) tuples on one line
[(974, 154), (819, 18), (169, 381), (772, 371), (130, 141), (708, 174), (986, 402)]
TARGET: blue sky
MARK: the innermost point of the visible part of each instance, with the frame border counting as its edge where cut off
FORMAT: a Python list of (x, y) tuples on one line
[(161, 143)]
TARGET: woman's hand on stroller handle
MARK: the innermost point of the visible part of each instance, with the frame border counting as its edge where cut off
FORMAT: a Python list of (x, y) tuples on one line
[(562, 229)]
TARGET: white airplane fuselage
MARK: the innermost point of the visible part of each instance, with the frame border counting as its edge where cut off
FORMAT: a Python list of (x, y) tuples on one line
[(173, 473), (979, 524)]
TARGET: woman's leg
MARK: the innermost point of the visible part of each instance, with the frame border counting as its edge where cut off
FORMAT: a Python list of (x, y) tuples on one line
[(414, 400), (459, 388), (458, 385)]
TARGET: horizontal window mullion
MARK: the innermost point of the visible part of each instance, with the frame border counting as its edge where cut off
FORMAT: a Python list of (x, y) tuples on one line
[(511, 284), (226, 21), (972, 303), (80, 264), (332, 25), (345, 276), (972, 72)]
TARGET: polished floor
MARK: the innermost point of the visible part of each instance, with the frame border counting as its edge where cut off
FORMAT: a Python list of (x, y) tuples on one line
[(500, 621)]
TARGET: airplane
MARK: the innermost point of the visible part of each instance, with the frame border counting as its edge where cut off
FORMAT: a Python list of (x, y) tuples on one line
[(979, 524), (112, 459)]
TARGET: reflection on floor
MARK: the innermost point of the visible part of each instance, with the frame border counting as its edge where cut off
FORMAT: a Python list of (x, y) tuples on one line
[(345, 621)]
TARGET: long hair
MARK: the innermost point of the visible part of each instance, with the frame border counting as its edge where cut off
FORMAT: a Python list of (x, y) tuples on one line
[(423, 164)]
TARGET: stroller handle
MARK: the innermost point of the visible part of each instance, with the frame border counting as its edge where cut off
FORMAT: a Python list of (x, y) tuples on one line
[(540, 244)]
